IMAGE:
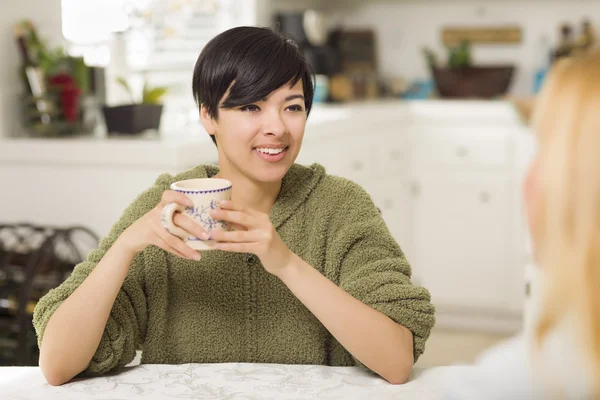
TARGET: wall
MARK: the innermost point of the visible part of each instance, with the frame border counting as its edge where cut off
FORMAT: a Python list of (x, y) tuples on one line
[(256, 12), (403, 27), (46, 14)]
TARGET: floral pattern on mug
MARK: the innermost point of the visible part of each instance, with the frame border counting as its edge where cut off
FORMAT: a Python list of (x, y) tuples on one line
[(201, 214)]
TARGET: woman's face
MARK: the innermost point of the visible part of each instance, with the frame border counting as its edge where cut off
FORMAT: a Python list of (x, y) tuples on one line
[(260, 140)]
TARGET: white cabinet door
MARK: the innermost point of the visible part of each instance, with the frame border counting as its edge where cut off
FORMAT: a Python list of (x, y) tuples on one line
[(442, 146), (462, 230)]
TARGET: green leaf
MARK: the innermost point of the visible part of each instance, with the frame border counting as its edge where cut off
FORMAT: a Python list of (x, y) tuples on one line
[(121, 81), (430, 57), (153, 96)]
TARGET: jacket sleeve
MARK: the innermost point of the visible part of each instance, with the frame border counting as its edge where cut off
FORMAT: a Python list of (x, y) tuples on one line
[(126, 325), (372, 267)]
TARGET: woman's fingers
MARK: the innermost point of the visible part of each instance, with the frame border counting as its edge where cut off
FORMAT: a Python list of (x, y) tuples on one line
[(159, 242), (228, 205), (165, 246), (234, 247), (189, 225), (235, 236), (174, 244), (235, 217), (171, 196), (182, 221)]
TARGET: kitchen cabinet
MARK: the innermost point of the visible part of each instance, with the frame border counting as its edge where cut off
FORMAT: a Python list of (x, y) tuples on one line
[(461, 234), (448, 186)]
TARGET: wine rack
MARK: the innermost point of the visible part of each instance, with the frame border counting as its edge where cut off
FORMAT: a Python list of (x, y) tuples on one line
[(33, 260)]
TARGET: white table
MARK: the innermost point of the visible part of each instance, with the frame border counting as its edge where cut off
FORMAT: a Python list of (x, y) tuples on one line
[(225, 381)]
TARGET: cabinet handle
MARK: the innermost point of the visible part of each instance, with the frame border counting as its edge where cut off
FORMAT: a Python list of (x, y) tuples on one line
[(462, 152), (415, 189), (357, 165), (484, 197)]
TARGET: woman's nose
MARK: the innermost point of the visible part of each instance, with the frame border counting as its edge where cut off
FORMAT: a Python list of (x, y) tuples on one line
[(273, 124)]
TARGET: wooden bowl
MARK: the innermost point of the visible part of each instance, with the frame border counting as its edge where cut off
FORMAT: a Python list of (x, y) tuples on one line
[(473, 82)]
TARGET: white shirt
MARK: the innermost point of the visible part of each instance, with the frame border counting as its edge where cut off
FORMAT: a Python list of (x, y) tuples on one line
[(510, 370)]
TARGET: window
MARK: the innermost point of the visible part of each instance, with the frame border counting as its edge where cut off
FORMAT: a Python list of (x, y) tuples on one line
[(162, 40)]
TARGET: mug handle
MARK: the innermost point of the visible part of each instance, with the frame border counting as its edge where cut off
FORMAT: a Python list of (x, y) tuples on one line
[(167, 220)]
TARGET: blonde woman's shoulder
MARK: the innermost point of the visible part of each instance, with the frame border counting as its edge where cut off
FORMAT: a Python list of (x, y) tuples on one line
[(502, 372), (514, 370)]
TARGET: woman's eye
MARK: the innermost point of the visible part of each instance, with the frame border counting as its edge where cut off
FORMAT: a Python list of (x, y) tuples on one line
[(295, 107), (250, 108)]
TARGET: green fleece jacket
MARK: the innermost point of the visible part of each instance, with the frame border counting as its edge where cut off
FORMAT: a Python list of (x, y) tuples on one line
[(227, 308)]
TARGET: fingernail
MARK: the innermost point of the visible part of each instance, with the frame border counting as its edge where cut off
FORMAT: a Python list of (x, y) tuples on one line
[(189, 203), (205, 236), (196, 257), (224, 202)]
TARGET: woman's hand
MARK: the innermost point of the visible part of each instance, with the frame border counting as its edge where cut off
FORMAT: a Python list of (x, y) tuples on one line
[(254, 234), (149, 230)]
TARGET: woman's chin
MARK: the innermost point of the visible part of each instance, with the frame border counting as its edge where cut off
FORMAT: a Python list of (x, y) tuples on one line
[(272, 174)]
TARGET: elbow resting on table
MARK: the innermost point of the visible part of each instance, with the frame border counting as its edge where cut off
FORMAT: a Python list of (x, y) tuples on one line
[(53, 376), (398, 365), (54, 381), (55, 371), (398, 375)]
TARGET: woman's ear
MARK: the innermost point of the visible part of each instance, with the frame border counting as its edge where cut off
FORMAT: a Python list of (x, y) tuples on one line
[(207, 121)]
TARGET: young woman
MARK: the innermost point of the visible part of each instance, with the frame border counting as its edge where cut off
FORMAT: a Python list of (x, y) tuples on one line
[(559, 356), (311, 275)]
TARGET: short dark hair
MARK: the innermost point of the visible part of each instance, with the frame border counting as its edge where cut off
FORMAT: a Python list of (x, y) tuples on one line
[(258, 60)]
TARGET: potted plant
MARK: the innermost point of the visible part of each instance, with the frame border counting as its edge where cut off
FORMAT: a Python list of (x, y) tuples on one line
[(136, 117), (54, 85), (460, 78)]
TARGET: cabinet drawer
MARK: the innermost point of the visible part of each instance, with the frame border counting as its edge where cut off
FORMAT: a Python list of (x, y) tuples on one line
[(437, 146)]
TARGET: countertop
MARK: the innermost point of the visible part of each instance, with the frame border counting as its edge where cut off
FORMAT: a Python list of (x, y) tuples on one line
[(189, 149)]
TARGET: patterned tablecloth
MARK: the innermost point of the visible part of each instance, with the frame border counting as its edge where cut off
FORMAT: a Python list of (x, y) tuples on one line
[(225, 381)]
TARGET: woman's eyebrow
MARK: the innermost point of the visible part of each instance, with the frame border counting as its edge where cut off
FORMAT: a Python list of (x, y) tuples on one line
[(291, 97), (294, 96)]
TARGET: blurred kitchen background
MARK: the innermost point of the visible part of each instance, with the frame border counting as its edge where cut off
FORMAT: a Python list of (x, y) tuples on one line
[(425, 103)]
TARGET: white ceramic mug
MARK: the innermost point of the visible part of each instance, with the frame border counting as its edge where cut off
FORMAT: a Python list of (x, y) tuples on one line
[(205, 193)]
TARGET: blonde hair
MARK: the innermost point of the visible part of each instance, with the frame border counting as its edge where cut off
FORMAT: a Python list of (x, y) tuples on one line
[(566, 230)]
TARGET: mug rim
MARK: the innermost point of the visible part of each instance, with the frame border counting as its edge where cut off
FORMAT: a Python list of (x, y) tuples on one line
[(221, 185)]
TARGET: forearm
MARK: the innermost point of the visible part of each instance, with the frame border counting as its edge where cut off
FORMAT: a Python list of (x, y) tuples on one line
[(74, 331), (373, 338)]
